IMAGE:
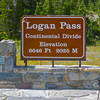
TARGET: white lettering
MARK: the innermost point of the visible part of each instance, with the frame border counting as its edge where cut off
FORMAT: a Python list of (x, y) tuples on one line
[(34, 50), (28, 25), (65, 25), (29, 35), (62, 51), (74, 50), (56, 44), (71, 36), (47, 50), (40, 27)]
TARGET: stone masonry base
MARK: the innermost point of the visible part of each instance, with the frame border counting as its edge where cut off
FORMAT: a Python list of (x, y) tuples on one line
[(40, 77)]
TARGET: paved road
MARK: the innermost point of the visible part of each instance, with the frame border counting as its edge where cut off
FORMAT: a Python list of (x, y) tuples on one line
[(21, 94)]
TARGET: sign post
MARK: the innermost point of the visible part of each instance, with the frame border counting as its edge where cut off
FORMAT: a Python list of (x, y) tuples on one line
[(53, 38)]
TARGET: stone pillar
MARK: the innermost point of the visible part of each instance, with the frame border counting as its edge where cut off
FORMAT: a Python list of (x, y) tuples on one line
[(7, 55)]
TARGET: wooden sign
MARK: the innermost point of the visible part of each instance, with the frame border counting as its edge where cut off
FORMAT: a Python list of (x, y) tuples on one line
[(53, 37)]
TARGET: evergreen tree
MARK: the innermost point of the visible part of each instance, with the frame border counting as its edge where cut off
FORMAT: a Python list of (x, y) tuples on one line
[(11, 12)]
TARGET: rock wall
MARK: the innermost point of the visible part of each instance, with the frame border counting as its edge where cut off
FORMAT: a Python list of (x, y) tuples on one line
[(51, 78)]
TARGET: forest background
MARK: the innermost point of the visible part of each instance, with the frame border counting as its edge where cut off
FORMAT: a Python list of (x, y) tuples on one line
[(11, 12)]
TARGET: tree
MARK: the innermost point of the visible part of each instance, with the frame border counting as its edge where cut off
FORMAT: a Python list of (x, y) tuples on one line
[(3, 16), (42, 8), (11, 12)]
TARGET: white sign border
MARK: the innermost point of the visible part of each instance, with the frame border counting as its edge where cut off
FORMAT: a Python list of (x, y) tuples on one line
[(28, 57)]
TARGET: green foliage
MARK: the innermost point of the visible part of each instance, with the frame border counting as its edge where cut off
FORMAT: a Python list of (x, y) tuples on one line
[(11, 12), (2, 14), (3, 35), (42, 8)]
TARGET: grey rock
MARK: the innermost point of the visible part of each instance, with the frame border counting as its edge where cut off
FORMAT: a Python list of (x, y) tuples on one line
[(74, 76), (89, 76), (21, 94), (34, 98), (11, 77), (8, 51), (34, 77)]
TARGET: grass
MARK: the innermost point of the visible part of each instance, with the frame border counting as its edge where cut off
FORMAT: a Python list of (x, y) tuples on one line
[(92, 57)]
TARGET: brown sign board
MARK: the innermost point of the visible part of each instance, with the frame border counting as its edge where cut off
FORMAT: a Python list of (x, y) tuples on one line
[(53, 37)]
